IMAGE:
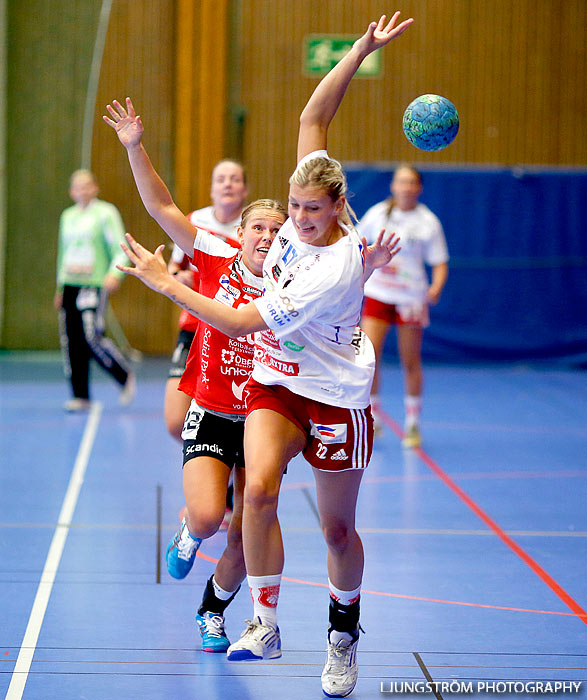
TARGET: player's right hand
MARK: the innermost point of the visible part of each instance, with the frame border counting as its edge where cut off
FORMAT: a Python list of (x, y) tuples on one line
[(126, 122)]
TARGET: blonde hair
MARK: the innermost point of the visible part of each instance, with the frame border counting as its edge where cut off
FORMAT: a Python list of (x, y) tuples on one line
[(82, 171), (262, 204), (327, 175)]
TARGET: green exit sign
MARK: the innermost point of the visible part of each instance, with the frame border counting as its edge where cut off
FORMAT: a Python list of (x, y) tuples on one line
[(323, 51)]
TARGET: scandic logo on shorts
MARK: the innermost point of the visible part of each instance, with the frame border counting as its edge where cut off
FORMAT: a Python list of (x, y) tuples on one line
[(292, 369), (204, 447)]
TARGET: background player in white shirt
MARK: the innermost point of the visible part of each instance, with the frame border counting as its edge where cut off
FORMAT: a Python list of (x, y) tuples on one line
[(308, 346), (399, 293)]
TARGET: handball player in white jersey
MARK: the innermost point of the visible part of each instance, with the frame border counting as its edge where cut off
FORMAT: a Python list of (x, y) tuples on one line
[(310, 387), (215, 375), (399, 293)]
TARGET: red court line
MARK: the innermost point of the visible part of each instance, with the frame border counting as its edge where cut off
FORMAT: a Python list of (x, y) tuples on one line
[(412, 597), (491, 524)]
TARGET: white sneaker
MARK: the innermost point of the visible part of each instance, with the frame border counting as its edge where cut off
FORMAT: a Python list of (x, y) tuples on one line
[(340, 673), (77, 405), (257, 642), (128, 391), (377, 420), (412, 437)]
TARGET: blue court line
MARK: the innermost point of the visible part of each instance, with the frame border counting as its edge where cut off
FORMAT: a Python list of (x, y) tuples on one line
[(480, 513), (33, 629)]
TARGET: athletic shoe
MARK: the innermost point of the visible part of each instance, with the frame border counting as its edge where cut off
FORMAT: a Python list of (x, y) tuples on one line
[(377, 427), (257, 642), (212, 632), (77, 405), (181, 552), (339, 676), (377, 421), (412, 437), (128, 391)]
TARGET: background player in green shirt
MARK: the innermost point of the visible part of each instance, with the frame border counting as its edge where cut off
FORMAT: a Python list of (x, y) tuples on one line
[(90, 233)]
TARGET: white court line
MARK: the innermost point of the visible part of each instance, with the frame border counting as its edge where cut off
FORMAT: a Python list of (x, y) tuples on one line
[(31, 636)]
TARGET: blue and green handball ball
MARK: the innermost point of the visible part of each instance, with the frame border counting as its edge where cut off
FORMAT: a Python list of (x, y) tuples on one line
[(431, 122)]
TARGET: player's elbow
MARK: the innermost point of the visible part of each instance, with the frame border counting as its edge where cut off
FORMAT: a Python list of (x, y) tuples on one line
[(311, 119), (162, 213), (246, 319), (237, 328)]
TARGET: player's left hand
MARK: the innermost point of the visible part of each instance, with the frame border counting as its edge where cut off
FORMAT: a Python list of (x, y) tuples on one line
[(381, 251), (433, 295), (378, 33)]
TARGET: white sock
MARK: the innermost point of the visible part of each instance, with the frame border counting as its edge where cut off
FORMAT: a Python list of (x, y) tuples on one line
[(413, 408), (265, 594), (335, 636), (186, 535), (344, 597), (219, 592)]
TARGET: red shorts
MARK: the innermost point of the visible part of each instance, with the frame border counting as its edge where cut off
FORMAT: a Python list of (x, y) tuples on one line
[(337, 438), (397, 314)]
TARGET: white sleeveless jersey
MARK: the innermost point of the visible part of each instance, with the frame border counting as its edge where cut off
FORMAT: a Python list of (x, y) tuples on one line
[(312, 305), (404, 280)]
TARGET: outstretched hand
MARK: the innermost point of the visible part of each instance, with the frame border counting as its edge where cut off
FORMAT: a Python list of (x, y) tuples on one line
[(149, 267), (378, 33), (126, 122), (381, 251)]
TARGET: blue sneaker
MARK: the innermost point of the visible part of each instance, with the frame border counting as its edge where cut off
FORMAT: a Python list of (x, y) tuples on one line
[(257, 642), (212, 632), (181, 552)]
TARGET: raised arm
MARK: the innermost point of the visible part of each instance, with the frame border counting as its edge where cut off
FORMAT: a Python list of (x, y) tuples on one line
[(153, 191), (151, 269), (326, 98)]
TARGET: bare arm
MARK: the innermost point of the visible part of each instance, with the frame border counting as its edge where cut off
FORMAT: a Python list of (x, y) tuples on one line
[(151, 269), (326, 98), (439, 277), (153, 191)]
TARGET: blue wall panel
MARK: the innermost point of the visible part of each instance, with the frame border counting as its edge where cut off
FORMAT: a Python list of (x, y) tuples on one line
[(517, 288)]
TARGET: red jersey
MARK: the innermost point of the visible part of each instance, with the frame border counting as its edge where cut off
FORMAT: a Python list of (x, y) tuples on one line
[(218, 367), (226, 232)]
